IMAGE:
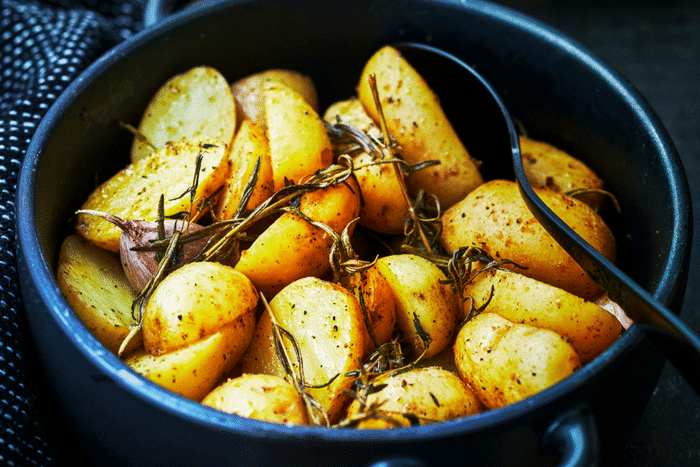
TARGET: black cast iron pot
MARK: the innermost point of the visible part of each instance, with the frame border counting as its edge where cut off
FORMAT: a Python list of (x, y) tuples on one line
[(557, 89)]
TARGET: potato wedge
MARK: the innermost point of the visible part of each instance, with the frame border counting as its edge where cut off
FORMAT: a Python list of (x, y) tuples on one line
[(504, 362), (194, 301), (424, 306), (134, 191), (326, 322), (193, 371), (249, 95), (196, 103), (414, 117), (249, 146), (292, 248), (384, 208), (494, 217), (547, 166), (96, 288), (589, 328), (262, 397), (426, 395), (299, 144)]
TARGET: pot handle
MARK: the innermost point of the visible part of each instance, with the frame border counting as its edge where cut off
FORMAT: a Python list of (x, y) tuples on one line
[(574, 437)]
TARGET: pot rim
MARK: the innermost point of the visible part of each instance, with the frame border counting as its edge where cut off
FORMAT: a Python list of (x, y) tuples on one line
[(42, 275)]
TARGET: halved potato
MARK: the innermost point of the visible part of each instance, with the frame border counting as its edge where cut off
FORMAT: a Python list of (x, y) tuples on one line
[(196, 103), (193, 371), (134, 191), (326, 322), (425, 306), (96, 288)]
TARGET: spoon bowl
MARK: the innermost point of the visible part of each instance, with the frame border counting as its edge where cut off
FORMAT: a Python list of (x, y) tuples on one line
[(488, 131)]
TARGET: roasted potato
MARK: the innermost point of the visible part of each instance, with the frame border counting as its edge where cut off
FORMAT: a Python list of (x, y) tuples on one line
[(494, 217), (589, 328), (262, 397), (249, 95), (414, 117), (96, 288), (193, 104), (326, 322), (504, 362), (422, 395), (134, 191), (427, 309)]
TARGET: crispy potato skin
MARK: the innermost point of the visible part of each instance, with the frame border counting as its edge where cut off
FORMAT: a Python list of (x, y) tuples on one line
[(589, 328), (262, 397), (547, 166), (414, 117), (97, 289), (430, 394), (196, 103), (193, 302), (494, 217), (504, 362)]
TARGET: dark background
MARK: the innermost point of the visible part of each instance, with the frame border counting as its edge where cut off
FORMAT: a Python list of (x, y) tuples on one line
[(656, 45)]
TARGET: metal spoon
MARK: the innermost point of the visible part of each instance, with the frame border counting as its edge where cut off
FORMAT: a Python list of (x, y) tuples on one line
[(679, 343)]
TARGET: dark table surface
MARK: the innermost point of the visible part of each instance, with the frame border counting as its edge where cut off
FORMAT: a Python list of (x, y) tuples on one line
[(656, 45)]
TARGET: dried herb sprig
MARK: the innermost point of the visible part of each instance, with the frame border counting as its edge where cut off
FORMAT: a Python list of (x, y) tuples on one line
[(584, 191)]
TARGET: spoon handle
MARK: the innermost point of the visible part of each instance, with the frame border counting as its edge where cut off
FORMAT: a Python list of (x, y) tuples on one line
[(679, 343)]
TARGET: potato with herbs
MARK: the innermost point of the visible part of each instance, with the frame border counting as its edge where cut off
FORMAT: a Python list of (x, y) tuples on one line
[(547, 166), (427, 309), (97, 289), (194, 370), (589, 328), (384, 208), (421, 395), (194, 301), (262, 397), (292, 248), (250, 150), (494, 217), (299, 143), (326, 322), (249, 95), (505, 362), (414, 117), (192, 104), (133, 192)]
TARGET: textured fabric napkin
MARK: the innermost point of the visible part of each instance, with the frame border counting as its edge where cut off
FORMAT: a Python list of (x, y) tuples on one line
[(43, 47)]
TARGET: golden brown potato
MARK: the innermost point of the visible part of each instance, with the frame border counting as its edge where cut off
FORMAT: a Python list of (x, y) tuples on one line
[(133, 192), (299, 143), (547, 166), (193, 371), (194, 301), (326, 322), (424, 305), (291, 248), (248, 93), (414, 117), (96, 288), (384, 208), (372, 289), (429, 395), (494, 217), (249, 145), (520, 299), (196, 103), (504, 362), (262, 397)]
